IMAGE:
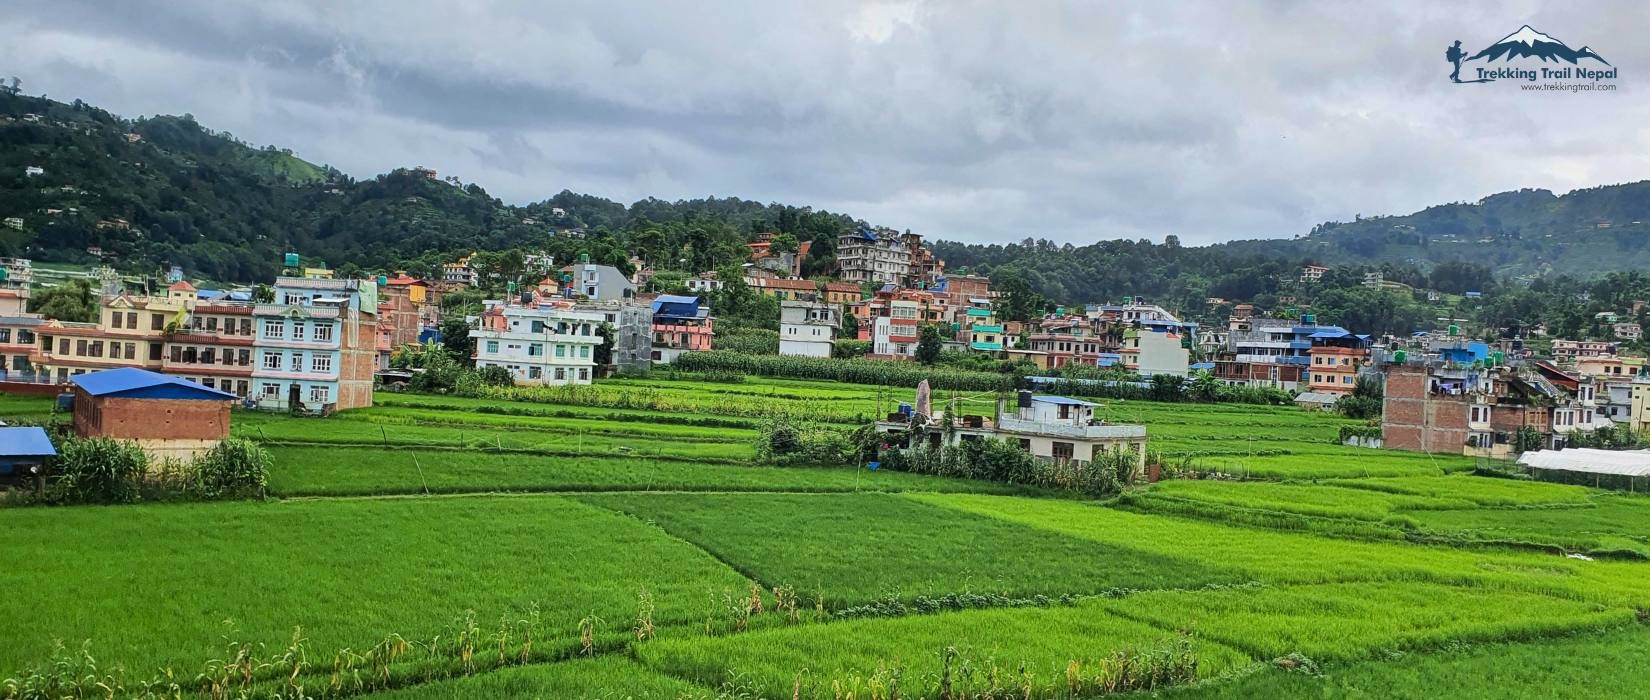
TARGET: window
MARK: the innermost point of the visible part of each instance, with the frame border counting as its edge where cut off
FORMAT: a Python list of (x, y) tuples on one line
[(155, 349), (561, 374), (297, 330), (291, 299), (246, 326), (243, 357), (131, 320), (272, 390), (297, 362), (320, 364), (80, 348), (584, 373), (131, 351), (535, 372), (1062, 451), (157, 322), (535, 349), (492, 346), (209, 356), (1025, 444), (274, 328), (209, 382), (584, 351), (561, 350), (272, 360), (538, 326), (318, 394), (323, 332)]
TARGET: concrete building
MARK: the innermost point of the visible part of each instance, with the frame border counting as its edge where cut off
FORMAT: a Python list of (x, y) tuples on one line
[(632, 323), (170, 418), (598, 282), (1055, 428), (540, 343), (784, 289), (1482, 411), (842, 292), (460, 272), (807, 328), (1313, 273), (1336, 358), (882, 255), (680, 324), (1570, 350), (895, 335), (315, 346)]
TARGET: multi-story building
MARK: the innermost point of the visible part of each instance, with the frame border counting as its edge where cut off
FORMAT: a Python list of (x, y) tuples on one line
[(680, 324), (632, 324), (1313, 273), (597, 282), (460, 272), (16, 274), (539, 343), (405, 314), (1478, 411), (880, 255), (842, 292), (1576, 349), (807, 328), (17, 341), (1336, 356), (1627, 331), (895, 334), (214, 348), (784, 289), (315, 344)]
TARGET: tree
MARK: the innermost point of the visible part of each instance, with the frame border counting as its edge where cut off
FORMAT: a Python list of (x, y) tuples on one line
[(455, 338), (783, 243), (850, 326), (71, 302), (929, 343), (604, 351)]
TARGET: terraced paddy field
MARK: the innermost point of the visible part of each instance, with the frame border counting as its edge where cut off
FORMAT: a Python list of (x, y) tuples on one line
[(623, 541)]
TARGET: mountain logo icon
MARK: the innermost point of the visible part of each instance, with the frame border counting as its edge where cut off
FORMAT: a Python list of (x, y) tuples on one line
[(1527, 42)]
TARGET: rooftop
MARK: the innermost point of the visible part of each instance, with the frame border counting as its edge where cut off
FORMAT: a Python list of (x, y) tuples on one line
[(131, 382), (29, 441)]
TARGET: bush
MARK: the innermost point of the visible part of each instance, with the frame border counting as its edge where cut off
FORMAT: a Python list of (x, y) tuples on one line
[(848, 348), (495, 375), (97, 470), (235, 468), (783, 442)]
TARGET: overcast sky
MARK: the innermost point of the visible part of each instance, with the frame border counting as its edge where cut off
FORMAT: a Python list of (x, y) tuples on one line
[(981, 122)]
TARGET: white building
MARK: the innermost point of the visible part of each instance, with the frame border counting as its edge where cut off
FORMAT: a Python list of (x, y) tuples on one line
[(600, 282), (33, 171), (540, 344), (807, 328), (1055, 428)]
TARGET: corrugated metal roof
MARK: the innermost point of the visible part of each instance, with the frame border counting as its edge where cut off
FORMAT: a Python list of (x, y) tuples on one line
[(1063, 400), (1317, 397), (1590, 461), (26, 441), (131, 381)]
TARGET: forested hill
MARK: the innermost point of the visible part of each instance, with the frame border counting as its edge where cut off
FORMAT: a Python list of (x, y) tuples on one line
[(223, 209), (220, 208)]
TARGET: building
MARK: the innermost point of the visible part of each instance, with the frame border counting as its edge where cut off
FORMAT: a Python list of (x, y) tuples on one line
[(460, 272), (1627, 331), (807, 328), (170, 418), (599, 282), (1483, 411), (842, 292), (213, 347), (17, 342), (1313, 273), (1153, 347), (23, 454), (315, 345), (632, 324), (984, 332), (703, 283), (1576, 349), (680, 324), (895, 334), (1287, 377), (784, 289), (547, 343), (882, 255), (1336, 357), (404, 314), (1055, 428)]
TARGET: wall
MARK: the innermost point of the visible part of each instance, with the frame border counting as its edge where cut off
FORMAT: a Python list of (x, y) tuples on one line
[(165, 419), (1412, 419)]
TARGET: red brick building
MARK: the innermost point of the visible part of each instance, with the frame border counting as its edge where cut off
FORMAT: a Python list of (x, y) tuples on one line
[(167, 416)]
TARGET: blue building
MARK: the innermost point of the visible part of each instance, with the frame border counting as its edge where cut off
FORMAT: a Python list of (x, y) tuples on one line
[(315, 344)]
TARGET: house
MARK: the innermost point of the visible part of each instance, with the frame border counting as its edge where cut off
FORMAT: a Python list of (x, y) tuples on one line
[(984, 333), (1260, 374), (680, 324), (315, 345), (632, 324), (33, 171), (1336, 356), (23, 454), (1313, 273), (881, 255), (540, 343), (405, 313), (1576, 349), (169, 417), (807, 328), (460, 271), (598, 281), (784, 289), (1317, 400), (703, 283), (1627, 331), (1056, 428), (14, 222), (842, 292), (1483, 411)]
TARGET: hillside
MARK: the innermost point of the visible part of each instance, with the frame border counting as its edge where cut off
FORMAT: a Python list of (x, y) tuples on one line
[(167, 190)]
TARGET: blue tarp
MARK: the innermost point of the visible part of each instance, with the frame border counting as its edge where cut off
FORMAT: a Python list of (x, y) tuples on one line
[(141, 383), (675, 306), (28, 441)]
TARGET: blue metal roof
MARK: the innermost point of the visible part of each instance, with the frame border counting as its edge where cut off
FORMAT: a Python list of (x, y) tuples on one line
[(1063, 401), (1202, 365), (29, 441), (141, 383)]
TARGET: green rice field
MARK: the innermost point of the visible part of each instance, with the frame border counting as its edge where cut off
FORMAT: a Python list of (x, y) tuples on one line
[(624, 541)]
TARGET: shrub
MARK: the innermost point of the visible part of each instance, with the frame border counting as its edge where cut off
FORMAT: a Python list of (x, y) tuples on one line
[(847, 348), (235, 468), (97, 470), (495, 375)]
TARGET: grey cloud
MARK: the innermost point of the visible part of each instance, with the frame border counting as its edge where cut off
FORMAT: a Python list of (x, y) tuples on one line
[(974, 121)]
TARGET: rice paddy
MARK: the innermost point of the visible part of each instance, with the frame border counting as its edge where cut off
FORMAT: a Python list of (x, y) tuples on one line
[(623, 541)]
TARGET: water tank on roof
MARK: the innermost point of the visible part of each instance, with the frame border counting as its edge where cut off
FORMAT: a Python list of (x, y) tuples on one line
[(1454, 329), (291, 259), (1024, 399), (1309, 319), (383, 280), (584, 258), (1399, 356)]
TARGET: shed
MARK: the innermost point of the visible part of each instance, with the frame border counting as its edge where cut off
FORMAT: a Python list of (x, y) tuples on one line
[(1620, 469), (23, 453), (1318, 400), (169, 417)]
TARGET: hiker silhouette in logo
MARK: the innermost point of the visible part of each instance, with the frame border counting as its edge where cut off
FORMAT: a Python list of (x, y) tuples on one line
[(1454, 54)]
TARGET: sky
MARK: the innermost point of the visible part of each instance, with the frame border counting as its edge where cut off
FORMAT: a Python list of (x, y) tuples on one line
[(969, 121)]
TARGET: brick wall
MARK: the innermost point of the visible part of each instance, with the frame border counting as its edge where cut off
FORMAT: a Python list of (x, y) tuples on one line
[(1412, 419), (137, 419)]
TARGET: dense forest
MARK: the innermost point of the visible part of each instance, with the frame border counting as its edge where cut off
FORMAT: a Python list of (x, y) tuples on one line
[(166, 190)]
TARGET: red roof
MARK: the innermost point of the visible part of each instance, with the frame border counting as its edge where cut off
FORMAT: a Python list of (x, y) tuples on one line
[(403, 280), (181, 286), (788, 284)]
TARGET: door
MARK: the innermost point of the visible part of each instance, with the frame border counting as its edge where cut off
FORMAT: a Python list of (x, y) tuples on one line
[(292, 396)]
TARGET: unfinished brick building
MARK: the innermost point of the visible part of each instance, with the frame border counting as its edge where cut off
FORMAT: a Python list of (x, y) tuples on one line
[(170, 418)]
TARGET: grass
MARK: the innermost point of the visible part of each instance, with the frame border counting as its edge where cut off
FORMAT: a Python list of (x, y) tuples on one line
[(609, 676), (1582, 667), (1347, 621), (1008, 650), (856, 548), (161, 585), (349, 471)]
